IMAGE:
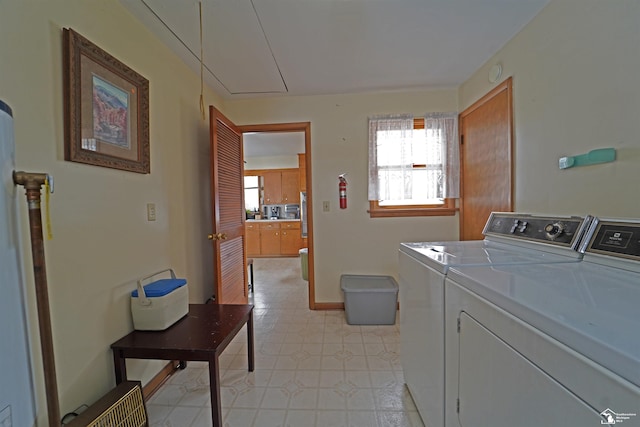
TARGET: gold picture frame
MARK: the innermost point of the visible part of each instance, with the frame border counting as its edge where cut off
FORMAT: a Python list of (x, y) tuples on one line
[(106, 108)]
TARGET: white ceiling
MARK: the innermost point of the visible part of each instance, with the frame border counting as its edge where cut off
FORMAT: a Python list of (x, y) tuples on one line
[(309, 47)]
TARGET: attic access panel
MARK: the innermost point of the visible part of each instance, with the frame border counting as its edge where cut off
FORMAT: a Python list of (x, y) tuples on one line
[(236, 51)]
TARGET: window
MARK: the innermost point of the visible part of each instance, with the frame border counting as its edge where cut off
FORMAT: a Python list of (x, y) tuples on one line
[(252, 193), (413, 165)]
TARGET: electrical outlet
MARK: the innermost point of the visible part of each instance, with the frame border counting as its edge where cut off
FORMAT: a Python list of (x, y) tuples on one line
[(151, 211), (5, 417), (326, 206)]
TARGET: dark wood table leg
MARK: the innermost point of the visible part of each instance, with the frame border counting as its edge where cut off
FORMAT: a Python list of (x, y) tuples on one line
[(120, 365), (214, 384), (250, 341)]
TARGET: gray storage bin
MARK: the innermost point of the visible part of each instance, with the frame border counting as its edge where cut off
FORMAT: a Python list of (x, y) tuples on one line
[(369, 300)]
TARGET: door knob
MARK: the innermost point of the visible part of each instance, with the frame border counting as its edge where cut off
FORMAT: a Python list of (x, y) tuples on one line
[(219, 236)]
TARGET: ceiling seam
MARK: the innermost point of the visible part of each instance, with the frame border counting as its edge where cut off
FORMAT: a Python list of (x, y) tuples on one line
[(269, 44), (185, 45)]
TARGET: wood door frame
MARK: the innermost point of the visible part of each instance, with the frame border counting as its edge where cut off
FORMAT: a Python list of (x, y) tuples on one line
[(306, 128), (506, 85)]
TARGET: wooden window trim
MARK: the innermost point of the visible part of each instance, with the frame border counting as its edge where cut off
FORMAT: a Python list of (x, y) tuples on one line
[(448, 208)]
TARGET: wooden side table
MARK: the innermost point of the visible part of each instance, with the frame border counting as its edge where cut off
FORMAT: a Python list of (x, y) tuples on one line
[(202, 335)]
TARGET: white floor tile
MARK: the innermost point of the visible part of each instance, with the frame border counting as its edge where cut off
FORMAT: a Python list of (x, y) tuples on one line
[(312, 368)]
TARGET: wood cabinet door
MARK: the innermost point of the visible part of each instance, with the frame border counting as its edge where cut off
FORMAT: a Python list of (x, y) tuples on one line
[(252, 240), (290, 238), (270, 242), (290, 242), (302, 171), (290, 187), (272, 188)]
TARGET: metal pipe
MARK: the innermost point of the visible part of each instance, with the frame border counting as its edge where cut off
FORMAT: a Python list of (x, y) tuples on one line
[(33, 182)]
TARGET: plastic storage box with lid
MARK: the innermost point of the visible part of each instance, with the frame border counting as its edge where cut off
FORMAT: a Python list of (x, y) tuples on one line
[(369, 300), (161, 303)]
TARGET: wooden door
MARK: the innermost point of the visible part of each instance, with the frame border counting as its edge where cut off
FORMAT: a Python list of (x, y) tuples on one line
[(227, 199), (291, 186), (486, 154)]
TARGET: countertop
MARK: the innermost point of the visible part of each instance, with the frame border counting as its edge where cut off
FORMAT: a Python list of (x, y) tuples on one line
[(274, 220)]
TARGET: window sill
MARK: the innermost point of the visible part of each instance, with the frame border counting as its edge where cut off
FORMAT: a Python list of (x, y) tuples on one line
[(375, 211)]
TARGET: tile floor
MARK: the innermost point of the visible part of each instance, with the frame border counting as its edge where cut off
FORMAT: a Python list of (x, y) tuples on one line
[(312, 368)]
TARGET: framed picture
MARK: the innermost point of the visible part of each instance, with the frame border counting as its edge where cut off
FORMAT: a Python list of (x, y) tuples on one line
[(106, 108)]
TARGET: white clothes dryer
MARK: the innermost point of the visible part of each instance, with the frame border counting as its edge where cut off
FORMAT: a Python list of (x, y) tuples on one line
[(548, 344), (510, 239)]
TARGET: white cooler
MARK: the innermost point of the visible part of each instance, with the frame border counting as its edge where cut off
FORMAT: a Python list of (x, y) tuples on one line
[(159, 304)]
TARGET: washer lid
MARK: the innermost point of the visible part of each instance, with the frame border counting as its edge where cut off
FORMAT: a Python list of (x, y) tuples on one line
[(441, 256), (591, 308)]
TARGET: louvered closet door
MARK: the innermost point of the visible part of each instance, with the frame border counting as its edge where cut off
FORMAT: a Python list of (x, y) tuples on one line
[(227, 198)]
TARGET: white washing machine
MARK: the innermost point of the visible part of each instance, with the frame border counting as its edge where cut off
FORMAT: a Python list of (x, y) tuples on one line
[(548, 344), (510, 238)]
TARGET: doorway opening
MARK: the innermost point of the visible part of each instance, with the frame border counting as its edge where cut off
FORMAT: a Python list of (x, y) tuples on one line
[(279, 155)]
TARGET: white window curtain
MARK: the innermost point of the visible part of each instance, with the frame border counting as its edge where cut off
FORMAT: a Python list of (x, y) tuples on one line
[(401, 127), (393, 168), (443, 127)]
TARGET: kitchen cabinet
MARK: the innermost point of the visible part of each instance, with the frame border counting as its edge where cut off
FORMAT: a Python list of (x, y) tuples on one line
[(290, 238), (252, 239), (272, 238), (302, 172), (272, 181), (290, 187), (281, 186)]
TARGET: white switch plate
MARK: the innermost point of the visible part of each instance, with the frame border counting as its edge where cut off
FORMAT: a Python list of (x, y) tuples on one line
[(151, 211), (326, 206)]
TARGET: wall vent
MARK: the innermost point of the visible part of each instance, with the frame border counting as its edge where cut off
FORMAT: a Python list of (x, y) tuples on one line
[(121, 407)]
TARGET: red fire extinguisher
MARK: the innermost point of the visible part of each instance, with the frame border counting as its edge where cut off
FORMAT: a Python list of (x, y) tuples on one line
[(342, 189)]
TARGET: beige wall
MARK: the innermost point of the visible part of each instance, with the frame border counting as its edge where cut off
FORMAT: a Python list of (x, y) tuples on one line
[(575, 89), (271, 162), (348, 241), (102, 241), (575, 73)]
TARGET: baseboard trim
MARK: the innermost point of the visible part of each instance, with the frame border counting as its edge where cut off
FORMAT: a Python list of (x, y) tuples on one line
[(159, 379), (329, 306)]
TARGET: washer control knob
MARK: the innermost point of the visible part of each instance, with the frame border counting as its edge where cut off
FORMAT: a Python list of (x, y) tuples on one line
[(516, 223), (554, 230)]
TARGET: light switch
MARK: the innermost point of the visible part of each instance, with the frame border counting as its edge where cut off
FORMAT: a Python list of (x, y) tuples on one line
[(326, 206), (151, 211)]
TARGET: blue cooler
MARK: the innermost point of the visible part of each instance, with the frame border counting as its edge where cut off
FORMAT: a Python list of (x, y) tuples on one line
[(161, 303)]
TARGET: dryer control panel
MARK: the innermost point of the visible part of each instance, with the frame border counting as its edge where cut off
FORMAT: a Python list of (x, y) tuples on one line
[(563, 231), (615, 238)]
